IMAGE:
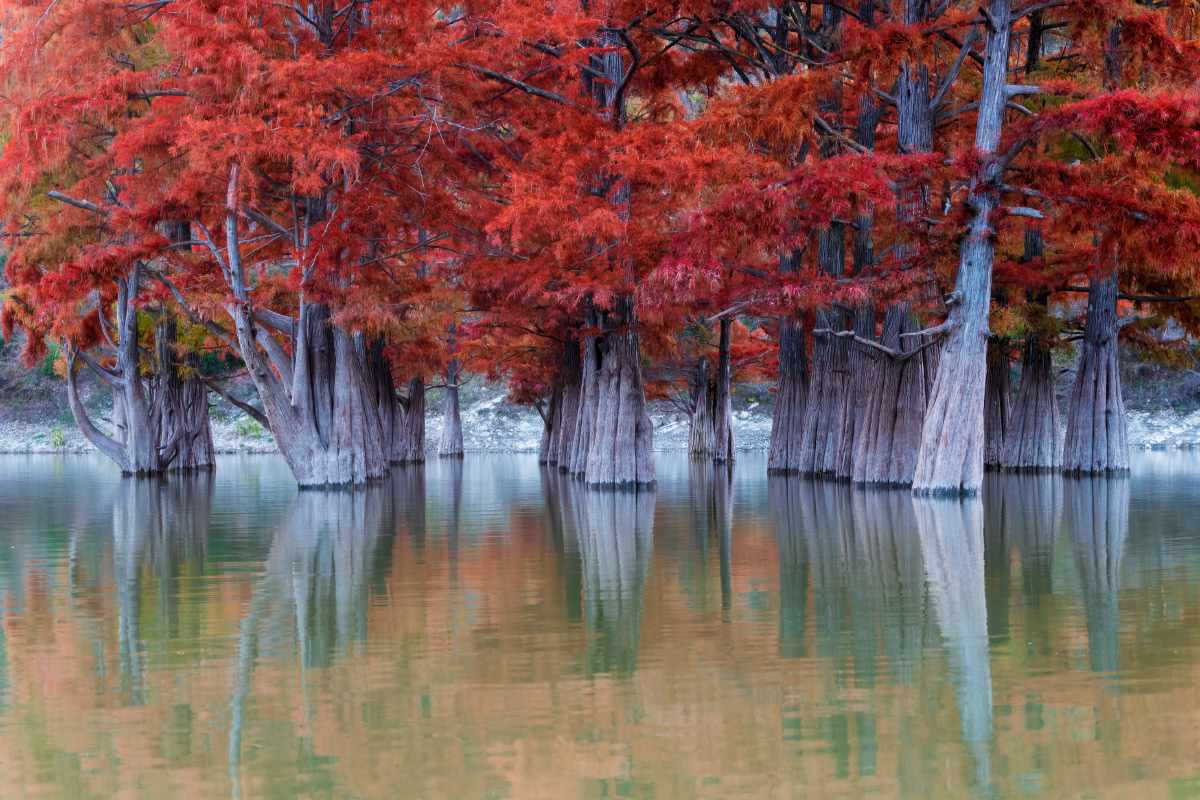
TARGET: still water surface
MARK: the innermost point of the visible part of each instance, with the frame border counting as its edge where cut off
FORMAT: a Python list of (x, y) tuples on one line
[(484, 629)]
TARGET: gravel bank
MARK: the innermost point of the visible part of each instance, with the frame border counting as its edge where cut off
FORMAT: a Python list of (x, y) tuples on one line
[(491, 425)]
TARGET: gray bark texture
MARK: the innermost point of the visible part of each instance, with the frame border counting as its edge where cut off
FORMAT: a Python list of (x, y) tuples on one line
[(997, 407), (1032, 443), (451, 443), (570, 378), (895, 404), (1097, 428), (621, 450), (181, 403), (860, 367), (951, 457), (321, 402), (712, 415), (792, 393), (589, 396), (140, 445)]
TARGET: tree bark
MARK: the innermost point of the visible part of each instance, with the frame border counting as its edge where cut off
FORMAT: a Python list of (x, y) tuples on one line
[(860, 366), (791, 398), (180, 402), (589, 394), (451, 444), (551, 419), (569, 401), (1032, 442), (702, 439), (895, 405), (620, 454), (951, 457), (322, 402), (723, 398), (410, 438), (135, 446), (1097, 428), (997, 407)]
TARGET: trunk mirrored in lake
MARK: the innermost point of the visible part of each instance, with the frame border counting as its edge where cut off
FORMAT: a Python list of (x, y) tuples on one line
[(485, 628)]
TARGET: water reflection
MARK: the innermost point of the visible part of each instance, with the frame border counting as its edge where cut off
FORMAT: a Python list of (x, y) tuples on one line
[(481, 627), (613, 535), (1098, 520)]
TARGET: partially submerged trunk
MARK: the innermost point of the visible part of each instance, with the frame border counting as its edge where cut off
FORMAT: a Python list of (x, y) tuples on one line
[(997, 402), (566, 424), (859, 383), (1031, 444), (589, 396), (409, 443), (1097, 429), (319, 399), (895, 404), (791, 396), (451, 444), (181, 403), (702, 439), (551, 419), (712, 415), (951, 457), (821, 433), (620, 454), (137, 445)]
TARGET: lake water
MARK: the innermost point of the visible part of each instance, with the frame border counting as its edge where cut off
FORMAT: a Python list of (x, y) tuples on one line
[(484, 629)]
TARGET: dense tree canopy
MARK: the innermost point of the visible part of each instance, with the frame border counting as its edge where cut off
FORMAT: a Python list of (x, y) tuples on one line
[(868, 202)]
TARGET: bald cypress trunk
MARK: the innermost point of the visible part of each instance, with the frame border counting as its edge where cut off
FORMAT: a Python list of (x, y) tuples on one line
[(861, 368), (723, 398), (951, 457), (180, 402), (791, 398), (1032, 441), (997, 407), (409, 444), (589, 395), (570, 397), (551, 419), (451, 443), (702, 438), (895, 405), (1097, 438), (620, 454)]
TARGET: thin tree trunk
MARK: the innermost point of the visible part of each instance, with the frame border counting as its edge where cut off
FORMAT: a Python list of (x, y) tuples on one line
[(997, 407), (620, 454), (551, 419), (951, 458), (451, 444), (722, 406), (1097, 428)]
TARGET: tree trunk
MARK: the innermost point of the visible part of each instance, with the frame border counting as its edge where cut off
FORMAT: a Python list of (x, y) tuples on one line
[(589, 395), (722, 406), (134, 445), (410, 438), (551, 419), (895, 405), (859, 384), (1097, 438), (791, 397), (180, 402), (702, 440), (951, 457), (451, 444), (620, 454), (997, 402), (1031, 444), (570, 391)]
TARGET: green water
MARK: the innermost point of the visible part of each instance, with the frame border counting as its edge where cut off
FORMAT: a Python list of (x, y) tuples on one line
[(485, 629)]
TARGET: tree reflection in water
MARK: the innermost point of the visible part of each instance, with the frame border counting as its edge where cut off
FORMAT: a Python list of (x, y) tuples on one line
[(163, 523), (952, 545), (710, 506), (613, 533), (1097, 511)]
